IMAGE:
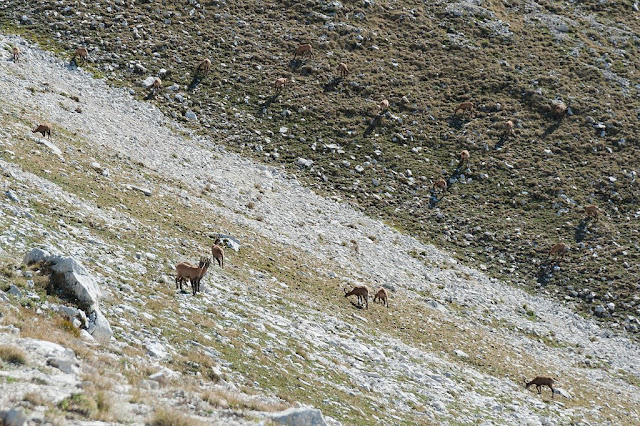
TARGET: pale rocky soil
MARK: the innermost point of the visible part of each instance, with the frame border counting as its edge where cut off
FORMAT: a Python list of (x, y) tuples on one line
[(443, 378)]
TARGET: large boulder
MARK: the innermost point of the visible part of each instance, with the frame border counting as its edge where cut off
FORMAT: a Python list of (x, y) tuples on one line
[(303, 416), (77, 280), (72, 279), (13, 417)]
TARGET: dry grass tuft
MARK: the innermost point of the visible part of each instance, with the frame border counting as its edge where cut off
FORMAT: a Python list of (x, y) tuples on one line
[(221, 398), (13, 355), (172, 417)]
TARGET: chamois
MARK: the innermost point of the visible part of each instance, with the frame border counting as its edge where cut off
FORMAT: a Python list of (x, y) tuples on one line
[(362, 292), (558, 109), (464, 107), (591, 211), (383, 106), (464, 158), (16, 53), (381, 295), (156, 85), (280, 84), (218, 252), (302, 50), (204, 67), (343, 70), (187, 271), (440, 184), (195, 282), (508, 128), (44, 128), (559, 249), (82, 53), (540, 381)]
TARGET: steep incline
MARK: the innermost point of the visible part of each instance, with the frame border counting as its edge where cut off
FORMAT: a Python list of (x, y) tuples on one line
[(272, 328)]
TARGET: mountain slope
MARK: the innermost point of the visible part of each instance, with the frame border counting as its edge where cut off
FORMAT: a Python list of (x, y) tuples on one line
[(511, 58), (272, 328)]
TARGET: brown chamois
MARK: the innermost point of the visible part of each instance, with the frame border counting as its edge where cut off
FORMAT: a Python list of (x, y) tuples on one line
[(156, 86), (16, 53), (559, 249), (464, 107), (280, 84), (383, 106), (204, 67), (44, 128), (303, 50), (381, 295), (362, 292), (343, 69), (440, 184), (464, 158), (508, 128), (218, 252), (187, 271), (82, 53), (591, 211), (182, 266), (558, 109), (195, 282), (540, 381)]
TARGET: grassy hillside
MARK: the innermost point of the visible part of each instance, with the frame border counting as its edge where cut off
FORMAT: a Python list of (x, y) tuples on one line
[(520, 195)]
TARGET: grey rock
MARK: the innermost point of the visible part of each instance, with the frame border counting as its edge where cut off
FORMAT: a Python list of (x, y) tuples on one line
[(99, 328), (15, 291), (190, 115), (303, 162), (12, 196), (3, 296), (67, 363), (147, 82), (77, 280), (303, 416), (460, 353), (13, 417)]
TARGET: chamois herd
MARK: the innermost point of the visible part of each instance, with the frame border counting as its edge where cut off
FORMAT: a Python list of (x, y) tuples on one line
[(186, 271)]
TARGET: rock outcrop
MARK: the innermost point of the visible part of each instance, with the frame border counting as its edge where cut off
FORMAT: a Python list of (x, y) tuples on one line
[(73, 280)]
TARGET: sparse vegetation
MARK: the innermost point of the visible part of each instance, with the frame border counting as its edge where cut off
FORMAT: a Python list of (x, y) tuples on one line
[(12, 355), (171, 417)]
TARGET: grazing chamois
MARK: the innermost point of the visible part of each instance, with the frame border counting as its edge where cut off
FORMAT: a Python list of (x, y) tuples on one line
[(44, 128), (540, 381), (362, 292)]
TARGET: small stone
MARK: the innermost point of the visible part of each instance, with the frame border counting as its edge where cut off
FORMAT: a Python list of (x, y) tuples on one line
[(303, 162), (12, 196), (15, 291), (190, 115), (460, 353)]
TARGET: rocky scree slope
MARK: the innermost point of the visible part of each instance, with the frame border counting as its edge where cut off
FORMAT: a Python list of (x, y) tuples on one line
[(511, 58), (129, 193)]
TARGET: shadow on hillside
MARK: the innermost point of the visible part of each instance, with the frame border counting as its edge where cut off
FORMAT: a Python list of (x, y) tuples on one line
[(150, 95), (295, 63), (194, 83), (501, 141), (263, 107), (545, 272), (581, 230), (433, 198), (375, 122), (332, 85), (549, 130), (355, 305), (457, 121)]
